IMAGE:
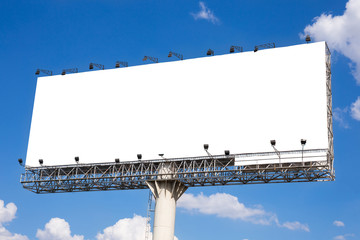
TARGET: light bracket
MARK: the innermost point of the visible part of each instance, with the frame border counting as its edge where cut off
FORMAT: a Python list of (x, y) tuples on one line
[(178, 55), (70, 70), (153, 59), (99, 66), (119, 63), (47, 72), (263, 46), (238, 48)]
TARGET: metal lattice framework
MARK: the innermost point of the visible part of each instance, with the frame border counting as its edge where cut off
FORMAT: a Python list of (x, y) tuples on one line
[(263, 46), (192, 172), (329, 105)]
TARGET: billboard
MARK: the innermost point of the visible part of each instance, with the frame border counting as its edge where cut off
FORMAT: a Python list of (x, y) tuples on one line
[(237, 102)]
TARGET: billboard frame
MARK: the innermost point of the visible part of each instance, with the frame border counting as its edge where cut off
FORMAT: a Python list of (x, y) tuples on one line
[(191, 171)]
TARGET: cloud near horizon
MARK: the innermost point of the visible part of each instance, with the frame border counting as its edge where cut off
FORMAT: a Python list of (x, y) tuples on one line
[(7, 214), (344, 237), (227, 206), (126, 228), (57, 229), (206, 14)]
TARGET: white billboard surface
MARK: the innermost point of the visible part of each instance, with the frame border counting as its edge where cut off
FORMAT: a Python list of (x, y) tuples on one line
[(237, 102)]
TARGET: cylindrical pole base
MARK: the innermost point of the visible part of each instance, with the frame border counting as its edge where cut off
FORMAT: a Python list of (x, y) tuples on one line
[(164, 216), (166, 193)]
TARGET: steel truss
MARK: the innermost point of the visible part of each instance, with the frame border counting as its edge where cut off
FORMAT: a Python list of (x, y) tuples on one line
[(329, 105), (192, 172)]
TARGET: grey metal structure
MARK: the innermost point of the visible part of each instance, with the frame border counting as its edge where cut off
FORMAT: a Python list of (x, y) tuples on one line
[(329, 107), (150, 210), (263, 46), (192, 172)]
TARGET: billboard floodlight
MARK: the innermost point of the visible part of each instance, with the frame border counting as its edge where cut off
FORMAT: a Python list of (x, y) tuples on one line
[(119, 63), (303, 142), (47, 72), (41, 161), (239, 48), (178, 55), (262, 46), (307, 39), (206, 148), (20, 162), (70, 70), (210, 52), (273, 143), (161, 154), (227, 152), (139, 156), (99, 66), (153, 59), (117, 160), (77, 159)]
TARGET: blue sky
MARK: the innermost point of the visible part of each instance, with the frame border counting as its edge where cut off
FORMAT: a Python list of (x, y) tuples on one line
[(66, 34)]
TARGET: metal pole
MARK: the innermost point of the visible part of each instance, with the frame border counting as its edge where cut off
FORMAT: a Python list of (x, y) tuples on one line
[(166, 192)]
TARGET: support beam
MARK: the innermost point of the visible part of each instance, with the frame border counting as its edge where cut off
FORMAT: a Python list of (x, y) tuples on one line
[(166, 192), (214, 170)]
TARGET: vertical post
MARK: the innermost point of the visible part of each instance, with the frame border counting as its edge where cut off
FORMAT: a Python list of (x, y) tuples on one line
[(166, 191)]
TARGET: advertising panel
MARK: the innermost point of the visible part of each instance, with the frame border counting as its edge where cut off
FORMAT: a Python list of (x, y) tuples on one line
[(237, 102)]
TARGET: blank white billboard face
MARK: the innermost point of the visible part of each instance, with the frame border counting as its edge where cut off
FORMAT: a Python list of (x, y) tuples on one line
[(237, 102)]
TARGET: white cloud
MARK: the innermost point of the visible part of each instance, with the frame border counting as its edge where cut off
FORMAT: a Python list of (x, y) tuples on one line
[(125, 229), (342, 33), (223, 205), (355, 109), (6, 235), (295, 226), (344, 237), (228, 206), (205, 13), (339, 223), (7, 214), (339, 115), (57, 229)]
